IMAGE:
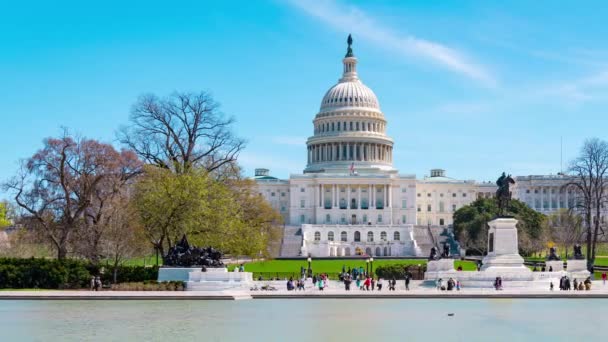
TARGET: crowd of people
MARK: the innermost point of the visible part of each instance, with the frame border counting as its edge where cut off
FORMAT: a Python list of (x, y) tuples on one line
[(450, 285), (566, 285), (362, 280)]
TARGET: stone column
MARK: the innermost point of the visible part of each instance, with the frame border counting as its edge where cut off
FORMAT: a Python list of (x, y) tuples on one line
[(390, 196), (373, 196), (359, 197), (320, 195)]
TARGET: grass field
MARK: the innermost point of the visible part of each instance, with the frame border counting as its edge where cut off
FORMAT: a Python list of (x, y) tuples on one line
[(335, 266)]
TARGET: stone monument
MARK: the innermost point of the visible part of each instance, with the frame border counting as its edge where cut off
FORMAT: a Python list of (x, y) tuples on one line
[(577, 264), (503, 251), (201, 268)]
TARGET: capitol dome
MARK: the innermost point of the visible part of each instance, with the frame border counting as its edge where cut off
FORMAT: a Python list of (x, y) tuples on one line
[(349, 129), (351, 93)]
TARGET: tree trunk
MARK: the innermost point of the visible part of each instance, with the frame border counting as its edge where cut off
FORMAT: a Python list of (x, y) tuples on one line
[(588, 233), (62, 252)]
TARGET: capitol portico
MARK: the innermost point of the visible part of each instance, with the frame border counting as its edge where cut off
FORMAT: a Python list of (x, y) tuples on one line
[(350, 199)]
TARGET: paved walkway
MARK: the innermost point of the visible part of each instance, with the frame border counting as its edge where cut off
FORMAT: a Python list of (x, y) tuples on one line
[(333, 291)]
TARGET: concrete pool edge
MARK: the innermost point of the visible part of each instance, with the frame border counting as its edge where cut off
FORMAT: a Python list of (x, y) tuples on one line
[(152, 295)]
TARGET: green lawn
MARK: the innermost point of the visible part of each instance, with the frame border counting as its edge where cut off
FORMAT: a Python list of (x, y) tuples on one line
[(334, 266)]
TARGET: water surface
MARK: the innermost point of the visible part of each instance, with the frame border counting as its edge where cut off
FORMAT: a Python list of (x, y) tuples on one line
[(309, 320)]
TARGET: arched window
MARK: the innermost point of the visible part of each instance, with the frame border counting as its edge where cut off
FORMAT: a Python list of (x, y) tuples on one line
[(378, 251), (353, 204), (317, 236), (383, 236), (396, 236), (370, 236), (364, 203), (330, 236), (357, 237), (343, 237)]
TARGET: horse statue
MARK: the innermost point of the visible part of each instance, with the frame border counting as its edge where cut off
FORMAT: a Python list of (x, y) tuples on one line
[(503, 193)]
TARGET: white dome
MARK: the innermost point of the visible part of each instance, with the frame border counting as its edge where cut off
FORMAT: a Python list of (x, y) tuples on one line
[(349, 94)]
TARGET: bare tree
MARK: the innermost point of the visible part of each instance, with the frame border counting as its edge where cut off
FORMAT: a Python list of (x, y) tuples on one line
[(123, 236), (566, 228), (181, 131), (589, 171), (57, 185)]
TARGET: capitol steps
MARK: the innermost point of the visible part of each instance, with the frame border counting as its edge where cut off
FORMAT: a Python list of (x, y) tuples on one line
[(292, 241)]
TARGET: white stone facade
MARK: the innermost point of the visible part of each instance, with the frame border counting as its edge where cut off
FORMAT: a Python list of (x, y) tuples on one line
[(349, 183)]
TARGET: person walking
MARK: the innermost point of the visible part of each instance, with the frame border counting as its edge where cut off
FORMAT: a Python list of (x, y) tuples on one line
[(367, 283), (604, 277), (372, 283), (407, 281), (92, 283), (392, 284), (379, 284)]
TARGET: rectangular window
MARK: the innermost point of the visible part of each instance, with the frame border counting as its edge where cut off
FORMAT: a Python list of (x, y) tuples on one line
[(464, 194), (302, 190), (379, 218), (454, 194), (302, 219), (302, 203), (403, 219), (527, 191), (282, 208), (453, 207), (419, 209), (428, 207), (272, 194), (404, 204), (403, 189), (282, 194)]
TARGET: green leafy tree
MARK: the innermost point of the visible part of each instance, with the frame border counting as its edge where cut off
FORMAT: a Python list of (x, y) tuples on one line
[(471, 225), (4, 215), (170, 205)]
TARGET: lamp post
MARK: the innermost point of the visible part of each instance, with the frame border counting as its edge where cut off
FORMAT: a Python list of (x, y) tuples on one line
[(371, 266), (367, 267), (309, 269)]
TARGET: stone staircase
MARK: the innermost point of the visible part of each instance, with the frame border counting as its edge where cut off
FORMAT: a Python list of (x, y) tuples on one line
[(292, 241), (427, 237)]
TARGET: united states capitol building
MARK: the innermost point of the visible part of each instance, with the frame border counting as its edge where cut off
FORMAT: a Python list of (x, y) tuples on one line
[(350, 200)]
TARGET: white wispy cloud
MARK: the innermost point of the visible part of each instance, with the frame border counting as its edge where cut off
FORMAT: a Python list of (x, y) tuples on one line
[(583, 89), (351, 19)]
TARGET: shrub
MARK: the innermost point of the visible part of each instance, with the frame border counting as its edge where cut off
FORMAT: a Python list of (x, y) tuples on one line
[(42, 273), (65, 274)]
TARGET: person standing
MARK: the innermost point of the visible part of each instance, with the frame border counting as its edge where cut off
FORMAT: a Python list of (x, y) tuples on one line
[(92, 283), (407, 281), (97, 283), (372, 283), (604, 277), (379, 284)]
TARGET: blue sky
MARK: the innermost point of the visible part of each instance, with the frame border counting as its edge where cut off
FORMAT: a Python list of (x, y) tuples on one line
[(475, 87)]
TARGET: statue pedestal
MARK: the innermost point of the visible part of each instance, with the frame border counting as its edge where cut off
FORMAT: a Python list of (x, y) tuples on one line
[(554, 265), (578, 269), (218, 279), (503, 254), (440, 265)]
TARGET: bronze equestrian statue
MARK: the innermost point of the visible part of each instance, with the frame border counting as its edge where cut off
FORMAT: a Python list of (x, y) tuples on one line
[(503, 193)]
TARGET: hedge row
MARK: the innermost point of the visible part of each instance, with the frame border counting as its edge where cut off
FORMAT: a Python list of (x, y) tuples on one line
[(398, 271), (65, 274)]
